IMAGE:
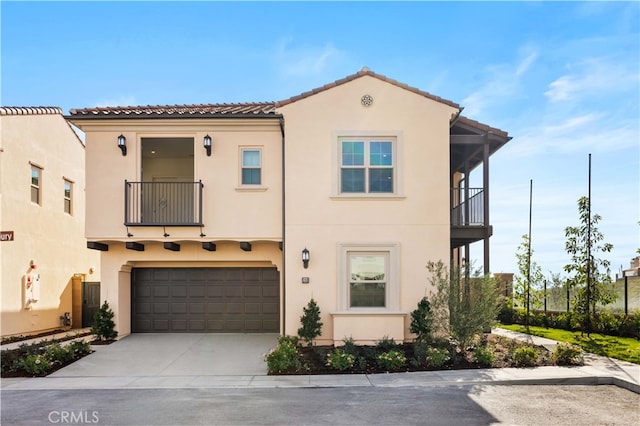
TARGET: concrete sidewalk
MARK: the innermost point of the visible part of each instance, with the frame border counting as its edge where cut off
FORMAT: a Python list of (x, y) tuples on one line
[(145, 371)]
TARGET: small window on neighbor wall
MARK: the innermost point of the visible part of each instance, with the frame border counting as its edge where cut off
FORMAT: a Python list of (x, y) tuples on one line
[(36, 184), (251, 166), (68, 193)]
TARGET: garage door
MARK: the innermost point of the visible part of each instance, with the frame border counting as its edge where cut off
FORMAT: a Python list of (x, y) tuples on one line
[(224, 300)]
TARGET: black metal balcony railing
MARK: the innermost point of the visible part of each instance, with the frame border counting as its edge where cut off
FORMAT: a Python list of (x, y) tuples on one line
[(163, 203), (468, 207)]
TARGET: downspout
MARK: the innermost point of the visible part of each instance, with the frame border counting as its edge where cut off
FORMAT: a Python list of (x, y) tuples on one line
[(284, 275)]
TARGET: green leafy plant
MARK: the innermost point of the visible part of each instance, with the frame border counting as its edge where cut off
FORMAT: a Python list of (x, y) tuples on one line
[(386, 344), (567, 354), (103, 326), (285, 357), (340, 360), (465, 304), (484, 356), (311, 324), (525, 356), (392, 360), (591, 275), (36, 365), (58, 354), (437, 357), (422, 321)]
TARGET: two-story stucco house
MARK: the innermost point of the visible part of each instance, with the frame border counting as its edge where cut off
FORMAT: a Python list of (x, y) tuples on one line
[(44, 260), (231, 217)]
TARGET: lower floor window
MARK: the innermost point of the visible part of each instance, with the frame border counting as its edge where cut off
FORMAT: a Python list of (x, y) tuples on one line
[(369, 277), (367, 286)]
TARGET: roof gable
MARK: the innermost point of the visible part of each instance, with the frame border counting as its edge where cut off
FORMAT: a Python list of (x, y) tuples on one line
[(366, 72)]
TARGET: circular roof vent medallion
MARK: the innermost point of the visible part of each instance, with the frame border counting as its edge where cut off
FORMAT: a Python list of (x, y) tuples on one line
[(366, 100)]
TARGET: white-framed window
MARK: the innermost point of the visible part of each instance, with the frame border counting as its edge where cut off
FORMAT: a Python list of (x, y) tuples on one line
[(368, 277), (36, 184), (68, 194), (367, 165), (251, 166)]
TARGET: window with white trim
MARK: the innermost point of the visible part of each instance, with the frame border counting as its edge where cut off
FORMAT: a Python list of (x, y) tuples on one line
[(68, 192), (369, 279), (36, 184), (251, 169), (367, 165), (368, 275)]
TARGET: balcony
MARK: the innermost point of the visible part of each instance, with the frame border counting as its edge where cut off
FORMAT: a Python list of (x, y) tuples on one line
[(163, 203), (468, 213)]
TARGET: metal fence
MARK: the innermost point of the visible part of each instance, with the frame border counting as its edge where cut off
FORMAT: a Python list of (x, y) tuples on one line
[(163, 203), (468, 206), (559, 299)]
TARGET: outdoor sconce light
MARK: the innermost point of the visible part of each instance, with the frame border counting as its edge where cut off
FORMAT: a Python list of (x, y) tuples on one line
[(305, 258), (207, 145), (122, 144)]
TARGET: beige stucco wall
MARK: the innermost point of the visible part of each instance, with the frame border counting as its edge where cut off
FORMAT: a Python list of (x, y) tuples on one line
[(43, 233), (416, 221), (230, 212), (118, 262)]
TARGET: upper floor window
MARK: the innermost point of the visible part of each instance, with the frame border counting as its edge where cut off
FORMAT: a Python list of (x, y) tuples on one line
[(36, 184), (367, 165), (68, 192), (251, 173)]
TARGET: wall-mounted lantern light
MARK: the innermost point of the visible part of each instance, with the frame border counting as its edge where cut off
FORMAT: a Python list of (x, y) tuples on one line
[(122, 144), (207, 145), (305, 258)]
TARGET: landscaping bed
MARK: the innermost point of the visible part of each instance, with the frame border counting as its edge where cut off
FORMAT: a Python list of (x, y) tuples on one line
[(41, 358), (489, 351)]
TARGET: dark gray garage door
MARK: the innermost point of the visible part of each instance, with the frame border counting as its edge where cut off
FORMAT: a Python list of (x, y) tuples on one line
[(224, 300)]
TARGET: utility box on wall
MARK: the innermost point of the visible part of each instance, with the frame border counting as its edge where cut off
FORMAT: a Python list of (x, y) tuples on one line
[(30, 289)]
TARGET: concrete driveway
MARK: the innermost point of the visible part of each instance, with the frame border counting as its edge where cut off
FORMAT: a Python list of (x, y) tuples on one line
[(176, 354)]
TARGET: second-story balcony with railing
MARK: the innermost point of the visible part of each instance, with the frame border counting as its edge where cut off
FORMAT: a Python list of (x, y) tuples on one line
[(468, 216), (163, 203)]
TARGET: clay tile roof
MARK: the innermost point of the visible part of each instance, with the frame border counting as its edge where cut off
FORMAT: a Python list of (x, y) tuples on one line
[(366, 71), (259, 109), (482, 127), (41, 110)]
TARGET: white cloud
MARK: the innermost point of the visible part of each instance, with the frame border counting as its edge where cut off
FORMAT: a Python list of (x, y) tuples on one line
[(593, 77), (503, 82), (294, 61)]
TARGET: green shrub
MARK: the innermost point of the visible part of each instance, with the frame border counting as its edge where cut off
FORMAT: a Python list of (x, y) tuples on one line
[(103, 326), (437, 357), (36, 365), (386, 344), (525, 356), (505, 314), (285, 357), (422, 321), (607, 323), (392, 360), (567, 354), (58, 354), (340, 360), (484, 356), (350, 346), (311, 324)]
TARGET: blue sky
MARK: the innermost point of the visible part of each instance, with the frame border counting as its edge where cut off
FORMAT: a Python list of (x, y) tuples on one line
[(562, 78)]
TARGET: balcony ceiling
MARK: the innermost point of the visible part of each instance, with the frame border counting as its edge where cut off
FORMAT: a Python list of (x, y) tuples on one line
[(471, 148)]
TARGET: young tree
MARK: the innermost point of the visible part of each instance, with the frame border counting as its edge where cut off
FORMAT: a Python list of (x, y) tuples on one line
[(591, 275), (311, 324), (528, 283), (103, 326), (469, 298)]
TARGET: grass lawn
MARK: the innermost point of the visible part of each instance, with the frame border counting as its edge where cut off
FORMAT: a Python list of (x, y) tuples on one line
[(624, 348)]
